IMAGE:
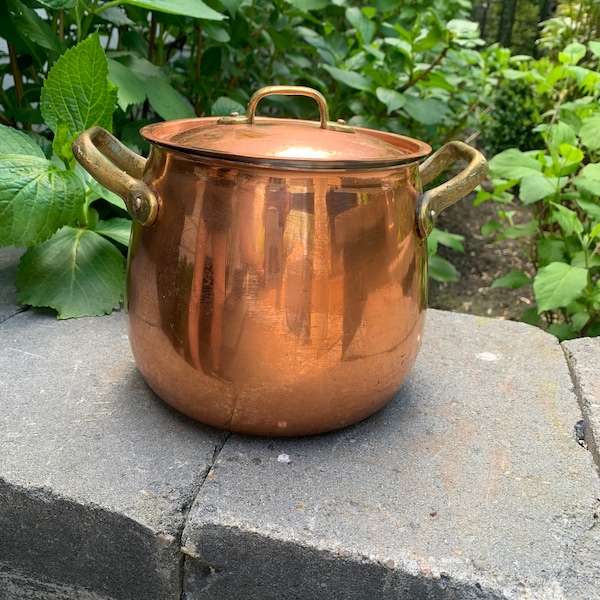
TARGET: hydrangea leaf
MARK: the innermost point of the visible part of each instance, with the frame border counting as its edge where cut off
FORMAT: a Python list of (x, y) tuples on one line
[(77, 272), (36, 199)]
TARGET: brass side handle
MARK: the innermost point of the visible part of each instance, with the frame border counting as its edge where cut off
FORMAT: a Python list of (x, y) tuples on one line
[(434, 201), (119, 170), (288, 90)]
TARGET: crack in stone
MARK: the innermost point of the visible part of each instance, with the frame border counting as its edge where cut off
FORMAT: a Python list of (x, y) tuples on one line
[(583, 431), (184, 552)]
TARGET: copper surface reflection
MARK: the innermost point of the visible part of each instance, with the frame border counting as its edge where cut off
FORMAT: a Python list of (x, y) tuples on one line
[(259, 302)]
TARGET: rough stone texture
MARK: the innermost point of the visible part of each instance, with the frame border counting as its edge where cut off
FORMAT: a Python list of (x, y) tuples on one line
[(584, 359), (96, 473), (9, 261), (469, 484)]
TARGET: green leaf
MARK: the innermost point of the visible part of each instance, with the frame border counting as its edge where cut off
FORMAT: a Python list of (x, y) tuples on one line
[(33, 28), (349, 78), (514, 164), (567, 219), (514, 280), (167, 101), (308, 5), (536, 187), (216, 32), (361, 23), (513, 74), (117, 229), (521, 230), (392, 99), (557, 285), (131, 89), (463, 29), (590, 133), (441, 270), (594, 48), (562, 331), (77, 91), (530, 316), (571, 153), (187, 8), (232, 5), (59, 4), (225, 106), (450, 240), (592, 186), (77, 272), (36, 199), (572, 54), (427, 112), (591, 171), (490, 228), (561, 134), (13, 141), (550, 250)]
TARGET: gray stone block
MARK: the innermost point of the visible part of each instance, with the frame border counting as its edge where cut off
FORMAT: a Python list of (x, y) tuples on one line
[(469, 484), (96, 473), (584, 360)]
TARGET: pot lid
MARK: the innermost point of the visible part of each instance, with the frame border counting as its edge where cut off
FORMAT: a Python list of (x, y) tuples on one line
[(287, 143)]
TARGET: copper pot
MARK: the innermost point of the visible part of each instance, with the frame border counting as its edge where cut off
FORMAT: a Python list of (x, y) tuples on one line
[(277, 272)]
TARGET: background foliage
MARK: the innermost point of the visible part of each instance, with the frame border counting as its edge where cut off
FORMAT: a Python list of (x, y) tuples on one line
[(413, 67)]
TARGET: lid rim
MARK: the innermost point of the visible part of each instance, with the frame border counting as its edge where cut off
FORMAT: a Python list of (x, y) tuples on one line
[(286, 163), (403, 150)]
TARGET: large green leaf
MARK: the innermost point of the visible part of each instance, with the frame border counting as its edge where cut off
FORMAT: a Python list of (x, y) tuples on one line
[(77, 272), (590, 133), (117, 229), (32, 27), (357, 18), (13, 141), (166, 100), (429, 111), (557, 285), (392, 99), (131, 90), (567, 219), (77, 92), (187, 8), (36, 199), (350, 78), (514, 164), (572, 54), (535, 187)]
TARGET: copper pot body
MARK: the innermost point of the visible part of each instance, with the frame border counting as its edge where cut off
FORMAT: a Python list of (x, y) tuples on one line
[(294, 306), (275, 301)]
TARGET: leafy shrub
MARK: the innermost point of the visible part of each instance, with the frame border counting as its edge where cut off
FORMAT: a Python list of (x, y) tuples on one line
[(514, 116), (410, 67), (559, 184)]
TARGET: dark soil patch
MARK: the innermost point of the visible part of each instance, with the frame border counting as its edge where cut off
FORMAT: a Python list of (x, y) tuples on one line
[(482, 263)]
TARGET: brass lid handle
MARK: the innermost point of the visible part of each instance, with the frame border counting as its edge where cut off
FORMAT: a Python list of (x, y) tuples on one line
[(288, 90)]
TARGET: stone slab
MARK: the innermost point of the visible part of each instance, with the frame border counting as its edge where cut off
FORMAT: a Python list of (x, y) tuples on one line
[(96, 473), (584, 360), (469, 484)]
